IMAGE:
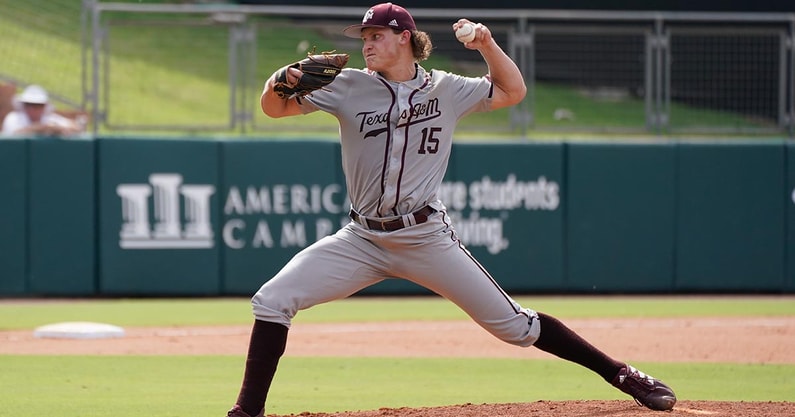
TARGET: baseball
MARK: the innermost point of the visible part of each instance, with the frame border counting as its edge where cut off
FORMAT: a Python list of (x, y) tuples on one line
[(466, 33)]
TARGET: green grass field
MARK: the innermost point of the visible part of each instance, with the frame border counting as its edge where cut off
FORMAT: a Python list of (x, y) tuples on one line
[(202, 386), (187, 311)]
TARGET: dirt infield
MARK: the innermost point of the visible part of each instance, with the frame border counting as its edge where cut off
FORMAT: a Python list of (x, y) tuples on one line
[(730, 340)]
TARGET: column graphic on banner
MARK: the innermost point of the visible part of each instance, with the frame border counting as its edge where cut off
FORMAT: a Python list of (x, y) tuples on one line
[(168, 232)]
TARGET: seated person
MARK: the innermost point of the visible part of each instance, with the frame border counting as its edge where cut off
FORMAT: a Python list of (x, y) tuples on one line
[(33, 114)]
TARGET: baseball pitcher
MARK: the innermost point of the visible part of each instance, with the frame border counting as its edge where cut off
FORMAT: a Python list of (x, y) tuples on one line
[(396, 124)]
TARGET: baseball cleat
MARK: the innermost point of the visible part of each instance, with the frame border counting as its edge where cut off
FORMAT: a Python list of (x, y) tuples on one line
[(645, 389), (236, 411)]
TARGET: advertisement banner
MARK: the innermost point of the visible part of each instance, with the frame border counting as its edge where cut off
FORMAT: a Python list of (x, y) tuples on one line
[(159, 212), (507, 206), (276, 199), (280, 198)]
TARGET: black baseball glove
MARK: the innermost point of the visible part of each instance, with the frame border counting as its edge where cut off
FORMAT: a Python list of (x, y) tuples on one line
[(319, 70)]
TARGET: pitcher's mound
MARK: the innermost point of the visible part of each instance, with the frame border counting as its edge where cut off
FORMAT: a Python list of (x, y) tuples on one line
[(593, 408)]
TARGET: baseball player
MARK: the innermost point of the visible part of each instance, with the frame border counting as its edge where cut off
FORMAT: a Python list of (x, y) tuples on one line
[(396, 123)]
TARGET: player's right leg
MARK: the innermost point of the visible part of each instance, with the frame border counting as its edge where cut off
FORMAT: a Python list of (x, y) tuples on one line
[(332, 268)]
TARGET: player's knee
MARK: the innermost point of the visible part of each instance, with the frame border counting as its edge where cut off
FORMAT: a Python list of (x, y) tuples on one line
[(522, 330), (267, 307)]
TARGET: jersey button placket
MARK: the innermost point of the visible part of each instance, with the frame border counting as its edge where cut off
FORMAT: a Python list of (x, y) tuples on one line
[(393, 170), (396, 152)]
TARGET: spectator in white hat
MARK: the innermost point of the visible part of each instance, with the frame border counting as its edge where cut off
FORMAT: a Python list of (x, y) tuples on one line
[(34, 115)]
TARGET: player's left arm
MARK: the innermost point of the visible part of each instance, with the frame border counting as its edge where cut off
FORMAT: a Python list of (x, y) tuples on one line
[(509, 86)]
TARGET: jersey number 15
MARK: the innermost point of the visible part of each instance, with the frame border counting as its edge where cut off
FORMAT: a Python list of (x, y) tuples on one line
[(430, 143)]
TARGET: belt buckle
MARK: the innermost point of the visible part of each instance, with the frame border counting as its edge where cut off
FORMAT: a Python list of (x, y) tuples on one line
[(382, 225)]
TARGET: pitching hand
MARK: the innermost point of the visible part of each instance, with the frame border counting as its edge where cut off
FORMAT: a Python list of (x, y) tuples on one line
[(482, 34)]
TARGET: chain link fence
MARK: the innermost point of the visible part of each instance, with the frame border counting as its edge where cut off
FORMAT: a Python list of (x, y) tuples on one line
[(40, 43), (199, 67)]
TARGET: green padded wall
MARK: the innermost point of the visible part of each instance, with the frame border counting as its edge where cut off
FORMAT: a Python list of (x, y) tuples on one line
[(61, 223), (621, 201), (730, 217), (185, 217), (13, 216), (789, 203)]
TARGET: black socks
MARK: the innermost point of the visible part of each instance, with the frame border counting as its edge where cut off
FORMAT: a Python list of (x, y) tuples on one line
[(268, 341), (563, 342)]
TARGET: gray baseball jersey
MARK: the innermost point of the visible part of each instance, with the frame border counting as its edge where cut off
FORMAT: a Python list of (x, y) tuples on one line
[(396, 140)]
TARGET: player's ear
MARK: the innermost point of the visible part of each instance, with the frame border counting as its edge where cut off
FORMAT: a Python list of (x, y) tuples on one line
[(405, 36)]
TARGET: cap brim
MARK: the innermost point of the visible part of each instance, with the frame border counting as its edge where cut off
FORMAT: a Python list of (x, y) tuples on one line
[(32, 100), (355, 31)]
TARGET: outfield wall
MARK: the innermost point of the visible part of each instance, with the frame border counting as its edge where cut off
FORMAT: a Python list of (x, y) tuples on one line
[(201, 217)]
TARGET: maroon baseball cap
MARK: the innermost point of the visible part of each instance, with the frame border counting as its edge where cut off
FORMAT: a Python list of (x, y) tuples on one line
[(386, 15)]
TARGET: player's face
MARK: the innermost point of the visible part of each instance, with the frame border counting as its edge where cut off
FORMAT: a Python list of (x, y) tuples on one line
[(381, 48)]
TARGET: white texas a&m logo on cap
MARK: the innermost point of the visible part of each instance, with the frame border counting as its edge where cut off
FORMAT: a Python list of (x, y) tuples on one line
[(167, 232), (368, 16)]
